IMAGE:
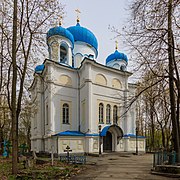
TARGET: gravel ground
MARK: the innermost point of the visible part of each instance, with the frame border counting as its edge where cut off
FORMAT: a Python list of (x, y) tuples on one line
[(121, 166)]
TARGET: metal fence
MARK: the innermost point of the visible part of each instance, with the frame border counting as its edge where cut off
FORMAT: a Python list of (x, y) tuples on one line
[(164, 157), (73, 159)]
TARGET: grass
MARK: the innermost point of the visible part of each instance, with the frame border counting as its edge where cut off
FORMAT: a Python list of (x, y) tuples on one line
[(43, 171)]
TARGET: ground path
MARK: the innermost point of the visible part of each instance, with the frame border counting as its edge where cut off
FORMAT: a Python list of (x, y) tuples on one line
[(120, 166)]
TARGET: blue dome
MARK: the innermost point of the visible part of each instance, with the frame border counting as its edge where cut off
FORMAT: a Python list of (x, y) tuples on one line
[(58, 30), (84, 35), (116, 55), (39, 68)]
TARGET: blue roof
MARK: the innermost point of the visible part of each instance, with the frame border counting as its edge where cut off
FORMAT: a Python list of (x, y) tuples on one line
[(84, 35), (39, 68), (70, 133), (116, 55), (58, 30)]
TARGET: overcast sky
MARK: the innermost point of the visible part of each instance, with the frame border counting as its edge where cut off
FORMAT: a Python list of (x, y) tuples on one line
[(97, 15)]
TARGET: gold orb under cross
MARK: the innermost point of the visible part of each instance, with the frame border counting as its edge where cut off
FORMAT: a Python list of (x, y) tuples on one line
[(78, 12)]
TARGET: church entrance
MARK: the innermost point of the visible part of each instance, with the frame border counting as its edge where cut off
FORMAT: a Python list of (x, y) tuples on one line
[(111, 137), (107, 142)]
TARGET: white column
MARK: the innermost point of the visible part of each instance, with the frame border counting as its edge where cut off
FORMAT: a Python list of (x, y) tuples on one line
[(69, 56), (104, 113), (89, 95), (111, 118)]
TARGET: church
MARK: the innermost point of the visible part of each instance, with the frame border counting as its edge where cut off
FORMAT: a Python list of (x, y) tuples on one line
[(80, 103)]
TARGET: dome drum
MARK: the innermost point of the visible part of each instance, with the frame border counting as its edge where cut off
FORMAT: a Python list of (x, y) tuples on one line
[(117, 60), (116, 56), (60, 31)]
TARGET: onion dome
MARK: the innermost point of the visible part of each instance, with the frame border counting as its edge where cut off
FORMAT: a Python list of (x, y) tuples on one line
[(39, 68), (58, 30), (84, 35), (116, 56)]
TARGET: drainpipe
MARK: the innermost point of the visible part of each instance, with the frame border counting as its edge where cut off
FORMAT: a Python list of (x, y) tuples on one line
[(79, 122), (43, 109), (43, 115), (57, 144)]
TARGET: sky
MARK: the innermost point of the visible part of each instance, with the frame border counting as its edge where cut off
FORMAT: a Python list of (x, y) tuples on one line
[(97, 16)]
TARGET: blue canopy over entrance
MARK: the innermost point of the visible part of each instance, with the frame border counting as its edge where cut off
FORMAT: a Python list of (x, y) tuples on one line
[(114, 127)]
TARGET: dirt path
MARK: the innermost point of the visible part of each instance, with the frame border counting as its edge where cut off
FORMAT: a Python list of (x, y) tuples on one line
[(121, 167)]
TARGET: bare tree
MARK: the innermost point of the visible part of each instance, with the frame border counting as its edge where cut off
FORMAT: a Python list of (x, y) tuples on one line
[(154, 111), (154, 35), (13, 93), (30, 21)]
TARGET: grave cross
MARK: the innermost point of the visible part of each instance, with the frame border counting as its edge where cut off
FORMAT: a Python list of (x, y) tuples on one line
[(68, 149), (5, 149)]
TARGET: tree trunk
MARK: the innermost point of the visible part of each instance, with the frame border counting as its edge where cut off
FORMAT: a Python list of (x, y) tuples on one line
[(13, 95), (152, 126), (175, 133)]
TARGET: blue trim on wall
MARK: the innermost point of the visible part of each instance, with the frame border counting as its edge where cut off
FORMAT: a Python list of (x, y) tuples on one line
[(133, 136), (91, 134)]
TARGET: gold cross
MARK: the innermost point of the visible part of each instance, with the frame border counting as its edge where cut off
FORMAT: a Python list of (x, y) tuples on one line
[(60, 20), (78, 12), (116, 44)]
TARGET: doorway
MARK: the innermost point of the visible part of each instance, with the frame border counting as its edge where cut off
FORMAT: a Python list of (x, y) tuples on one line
[(107, 142)]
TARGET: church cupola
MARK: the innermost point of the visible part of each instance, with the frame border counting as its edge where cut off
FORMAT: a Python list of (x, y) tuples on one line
[(60, 44), (117, 60), (85, 43)]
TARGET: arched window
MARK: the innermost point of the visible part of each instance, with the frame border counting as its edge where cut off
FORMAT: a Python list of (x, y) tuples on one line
[(63, 54), (115, 117), (101, 108), (116, 84), (101, 79), (65, 113), (116, 66), (108, 114)]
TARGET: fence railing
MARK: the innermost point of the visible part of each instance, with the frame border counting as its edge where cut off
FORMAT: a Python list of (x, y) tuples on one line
[(164, 157), (73, 159)]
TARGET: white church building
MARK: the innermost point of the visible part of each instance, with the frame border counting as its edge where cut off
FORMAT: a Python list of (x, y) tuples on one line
[(80, 103)]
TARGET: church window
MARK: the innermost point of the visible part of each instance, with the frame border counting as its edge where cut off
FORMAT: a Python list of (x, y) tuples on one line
[(116, 84), (54, 51), (63, 54), (65, 113), (65, 80), (108, 113), (116, 66), (101, 108), (100, 79), (115, 117)]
